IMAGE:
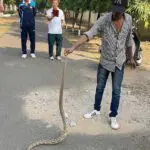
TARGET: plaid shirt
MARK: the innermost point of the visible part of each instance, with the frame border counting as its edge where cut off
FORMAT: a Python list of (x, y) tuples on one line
[(114, 44)]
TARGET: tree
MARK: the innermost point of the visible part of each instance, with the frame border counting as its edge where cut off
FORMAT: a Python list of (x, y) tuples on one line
[(42, 4), (9, 2), (75, 6), (90, 11), (140, 10), (97, 6), (101, 6), (83, 9)]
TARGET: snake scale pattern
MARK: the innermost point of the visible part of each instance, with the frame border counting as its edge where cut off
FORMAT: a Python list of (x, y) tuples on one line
[(64, 132)]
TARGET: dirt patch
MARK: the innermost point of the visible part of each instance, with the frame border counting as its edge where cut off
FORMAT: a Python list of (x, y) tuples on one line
[(7, 21), (5, 24), (146, 55)]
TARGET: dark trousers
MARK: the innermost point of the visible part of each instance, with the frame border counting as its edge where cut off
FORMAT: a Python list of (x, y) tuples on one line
[(102, 77), (24, 35), (52, 38)]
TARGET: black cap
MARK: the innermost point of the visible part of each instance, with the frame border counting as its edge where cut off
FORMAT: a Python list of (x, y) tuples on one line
[(119, 5)]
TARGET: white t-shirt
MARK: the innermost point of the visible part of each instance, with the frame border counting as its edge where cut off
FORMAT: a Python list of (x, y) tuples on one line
[(55, 25)]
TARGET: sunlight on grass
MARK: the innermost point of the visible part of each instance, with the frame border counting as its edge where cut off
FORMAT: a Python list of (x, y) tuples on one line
[(5, 23), (3, 29)]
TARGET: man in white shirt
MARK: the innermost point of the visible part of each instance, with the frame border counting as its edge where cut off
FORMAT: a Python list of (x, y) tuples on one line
[(56, 20)]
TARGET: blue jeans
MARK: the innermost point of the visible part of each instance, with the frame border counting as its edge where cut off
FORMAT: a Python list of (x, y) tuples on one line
[(102, 77)]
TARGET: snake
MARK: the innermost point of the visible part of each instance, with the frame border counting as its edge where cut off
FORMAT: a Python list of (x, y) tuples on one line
[(63, 134)]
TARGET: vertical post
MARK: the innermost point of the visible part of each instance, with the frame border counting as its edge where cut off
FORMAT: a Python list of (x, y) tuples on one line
[(90, 11)]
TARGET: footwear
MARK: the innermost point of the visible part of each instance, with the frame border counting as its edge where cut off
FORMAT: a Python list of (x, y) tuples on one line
[(33, 55), (24, 56), (58, 58), (91, 114), (51, 58), (114, 124)]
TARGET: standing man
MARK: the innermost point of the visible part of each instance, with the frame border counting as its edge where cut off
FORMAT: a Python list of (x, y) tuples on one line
[(116, 31), (56, 20), (27, 13)]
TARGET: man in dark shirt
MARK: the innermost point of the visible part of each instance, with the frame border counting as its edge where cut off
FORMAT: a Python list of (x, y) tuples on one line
[(27, 13)]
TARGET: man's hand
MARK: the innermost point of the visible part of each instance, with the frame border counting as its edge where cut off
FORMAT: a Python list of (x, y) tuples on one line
[(50, 18), (62, 23), (82, 40), (68, 51), (132, 63)]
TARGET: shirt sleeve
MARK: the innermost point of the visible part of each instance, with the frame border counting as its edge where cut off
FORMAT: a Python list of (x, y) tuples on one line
[(34, 11), (62, 16), (20, 10), (129, 40), (97, 27)]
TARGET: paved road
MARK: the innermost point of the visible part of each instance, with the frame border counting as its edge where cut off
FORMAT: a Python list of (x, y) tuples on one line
[(29, 97)]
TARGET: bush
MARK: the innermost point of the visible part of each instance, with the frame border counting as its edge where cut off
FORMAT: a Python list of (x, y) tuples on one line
[(9, 12)]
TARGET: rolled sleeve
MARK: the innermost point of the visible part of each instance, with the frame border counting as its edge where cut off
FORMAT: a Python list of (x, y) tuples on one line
[(89, 34), (96, 29), (62, 16)]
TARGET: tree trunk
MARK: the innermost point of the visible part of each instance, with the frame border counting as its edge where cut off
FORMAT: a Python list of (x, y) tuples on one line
[(80, 23), (76, 16), (90, 11), (73, 21), (67, 16), (99, 12), (81, 19), (89, 20), (98, 16)]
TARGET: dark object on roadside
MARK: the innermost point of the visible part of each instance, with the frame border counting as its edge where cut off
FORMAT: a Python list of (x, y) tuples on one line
[(55, 13), (137, 50)]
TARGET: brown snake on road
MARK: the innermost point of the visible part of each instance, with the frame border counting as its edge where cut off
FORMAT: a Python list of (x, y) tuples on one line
[(64, 132)]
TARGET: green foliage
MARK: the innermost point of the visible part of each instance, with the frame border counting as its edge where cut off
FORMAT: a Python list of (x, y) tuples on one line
[(101, 5), (9, 12), (8, 2), (15, 2), (140, 10)]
